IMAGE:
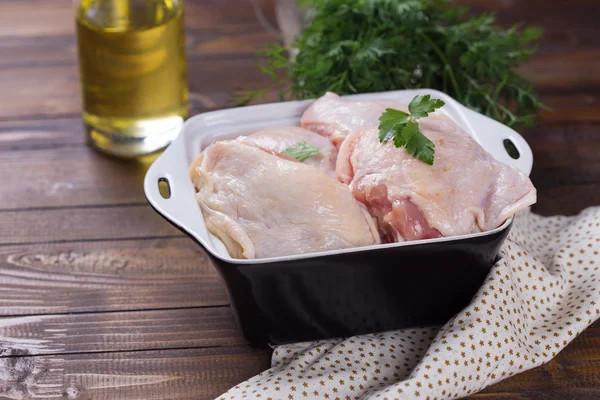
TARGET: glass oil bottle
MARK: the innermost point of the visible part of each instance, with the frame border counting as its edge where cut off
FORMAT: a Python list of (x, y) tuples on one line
[(133, 73)]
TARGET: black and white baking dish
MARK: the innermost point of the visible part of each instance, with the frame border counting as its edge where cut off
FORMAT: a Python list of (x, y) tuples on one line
[(344, 292)]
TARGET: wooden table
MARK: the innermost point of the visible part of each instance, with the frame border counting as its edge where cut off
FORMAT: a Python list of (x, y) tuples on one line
[(100, 298)]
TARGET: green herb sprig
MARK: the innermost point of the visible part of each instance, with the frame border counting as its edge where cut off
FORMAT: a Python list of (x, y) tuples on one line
[(301, 152), (359, 46), (403, 128)]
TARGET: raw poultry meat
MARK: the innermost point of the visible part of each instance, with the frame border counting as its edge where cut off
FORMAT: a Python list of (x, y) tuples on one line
[(335, 118), (465, 191), (282, 138), (265, 205)]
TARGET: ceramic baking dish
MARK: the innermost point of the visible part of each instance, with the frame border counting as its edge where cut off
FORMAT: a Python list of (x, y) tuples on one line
[(335, 293)]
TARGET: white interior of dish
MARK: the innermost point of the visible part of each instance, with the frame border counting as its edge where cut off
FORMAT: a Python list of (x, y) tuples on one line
[(200, 131)]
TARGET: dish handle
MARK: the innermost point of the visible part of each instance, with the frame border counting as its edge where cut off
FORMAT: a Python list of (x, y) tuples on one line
[(504, 143), (179, 206)]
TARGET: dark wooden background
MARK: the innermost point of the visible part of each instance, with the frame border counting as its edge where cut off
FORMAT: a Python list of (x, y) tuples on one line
[(100, 298)]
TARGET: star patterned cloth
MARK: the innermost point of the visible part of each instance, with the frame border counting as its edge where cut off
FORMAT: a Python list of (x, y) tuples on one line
[(539, 296)]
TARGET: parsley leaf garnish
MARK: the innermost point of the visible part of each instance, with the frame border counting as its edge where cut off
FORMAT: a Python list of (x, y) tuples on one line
[(301, 152), (390, 120), (403, 128), (417, 144), (421, 106)]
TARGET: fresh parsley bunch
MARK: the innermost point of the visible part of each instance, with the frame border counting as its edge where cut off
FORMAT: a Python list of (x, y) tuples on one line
[(358, 46)]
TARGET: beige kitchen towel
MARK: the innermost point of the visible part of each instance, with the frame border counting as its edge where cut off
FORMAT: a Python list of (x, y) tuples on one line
[(543, 292)]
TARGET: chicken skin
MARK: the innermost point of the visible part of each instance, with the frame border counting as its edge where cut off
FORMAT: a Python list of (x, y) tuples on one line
[(262, 204)]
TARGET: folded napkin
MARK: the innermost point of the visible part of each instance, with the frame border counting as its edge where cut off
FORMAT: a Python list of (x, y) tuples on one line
[(543, 292)]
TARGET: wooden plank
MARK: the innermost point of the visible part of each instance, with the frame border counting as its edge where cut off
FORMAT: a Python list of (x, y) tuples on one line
[(210, 42), (555, 176), (120, 331), (43, 18), (36, 18), (551, 394), (224, 42), (193, 374), (205, 373), (577, 27), (566, 168), (564, 154), (70, 177), (50, 90), (107, 276), (569, 67), (578, 143), (54, 90), (41, 134), (577, 106), (567, 199), (97, 223), (47, 36)]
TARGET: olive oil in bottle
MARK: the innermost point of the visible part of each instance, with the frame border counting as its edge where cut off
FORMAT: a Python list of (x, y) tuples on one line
[(133, 73)]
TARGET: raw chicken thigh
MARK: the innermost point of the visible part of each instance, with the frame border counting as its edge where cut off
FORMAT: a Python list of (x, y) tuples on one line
[(280, 139), (265, 205), (335, 118), (465, 191)]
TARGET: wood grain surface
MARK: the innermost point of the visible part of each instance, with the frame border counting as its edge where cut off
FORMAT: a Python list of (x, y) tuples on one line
[(141, 375), (102, 299), (102, 276), (121, 331), (83, 224)]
